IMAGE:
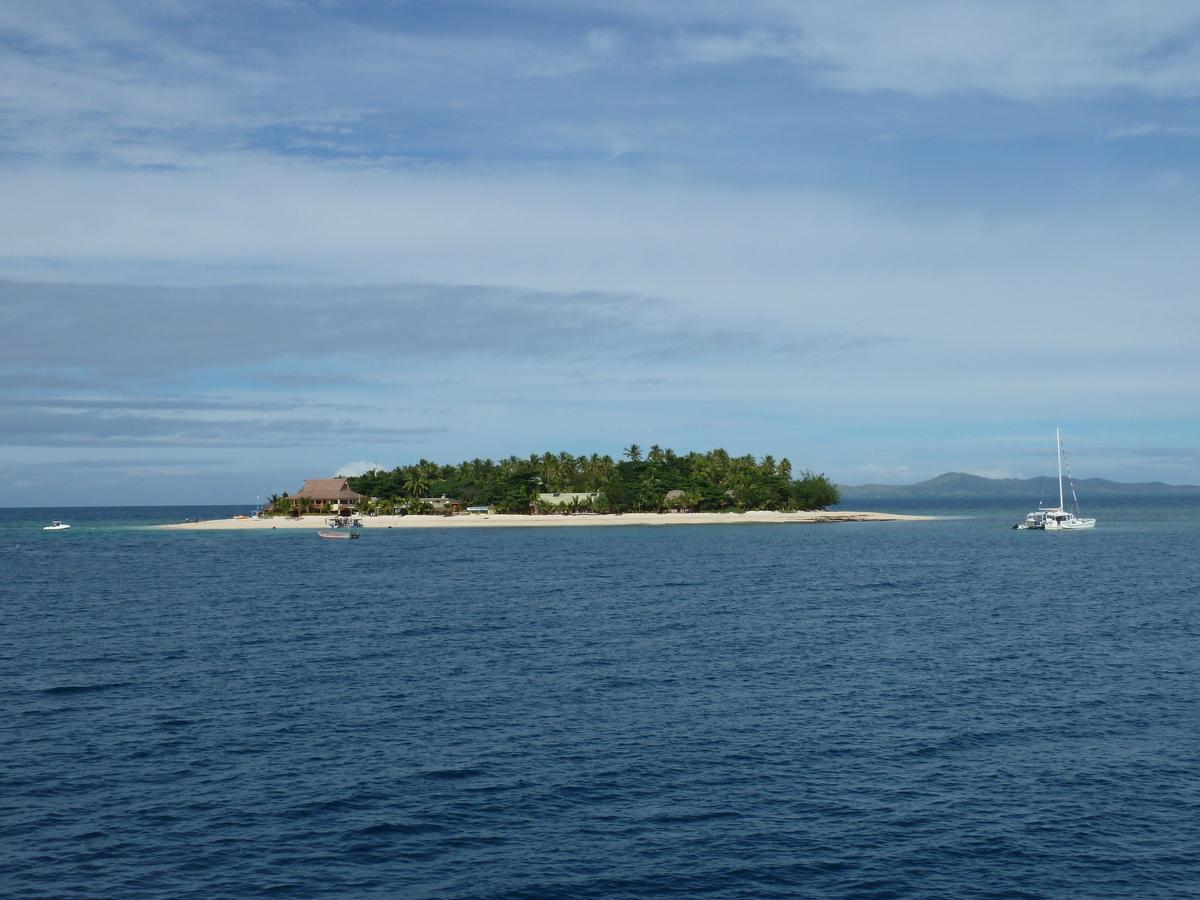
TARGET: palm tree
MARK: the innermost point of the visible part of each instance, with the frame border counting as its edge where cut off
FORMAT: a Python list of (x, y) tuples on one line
[(652, 491), (416, 485), (705, 467), (596, 470), (784, 468), (567, 469), (737, 480), (430, 470), (634, 453), (656, 454), (548, 465)]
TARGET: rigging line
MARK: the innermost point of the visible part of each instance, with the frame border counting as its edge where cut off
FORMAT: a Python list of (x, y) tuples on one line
[(1071, 480)]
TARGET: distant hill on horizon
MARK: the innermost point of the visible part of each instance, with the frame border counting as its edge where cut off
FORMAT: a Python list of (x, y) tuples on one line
[(960, 484)]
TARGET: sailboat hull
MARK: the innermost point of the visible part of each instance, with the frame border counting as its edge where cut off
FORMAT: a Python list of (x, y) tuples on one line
[(1056, 518), (1074, 525)]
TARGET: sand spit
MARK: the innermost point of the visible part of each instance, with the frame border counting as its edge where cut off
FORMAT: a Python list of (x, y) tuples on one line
[(494, 521)]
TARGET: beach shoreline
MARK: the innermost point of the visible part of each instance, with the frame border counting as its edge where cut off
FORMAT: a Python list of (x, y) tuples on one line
[(521, 521)]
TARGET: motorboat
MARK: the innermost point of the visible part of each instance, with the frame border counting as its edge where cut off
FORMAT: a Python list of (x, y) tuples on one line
[(57, 526), (344, 522), (1058, 518), (338, 535)]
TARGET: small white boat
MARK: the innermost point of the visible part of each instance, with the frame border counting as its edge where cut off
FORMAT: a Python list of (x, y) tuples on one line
[(338, 535), (57, 526), (1058, 518)]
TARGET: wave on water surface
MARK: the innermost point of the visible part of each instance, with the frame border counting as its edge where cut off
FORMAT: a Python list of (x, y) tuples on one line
[(944, 708)]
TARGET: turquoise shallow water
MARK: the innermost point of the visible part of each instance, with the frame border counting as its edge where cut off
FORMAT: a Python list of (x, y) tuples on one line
[(933, 709)]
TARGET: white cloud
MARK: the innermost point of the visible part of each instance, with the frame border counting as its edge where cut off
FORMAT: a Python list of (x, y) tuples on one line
[(166, 84), (1025, 49), (602, 41), (1147, 129), (1021, 49), (724, 48), (833, 261), (969, 309), (353, 469)]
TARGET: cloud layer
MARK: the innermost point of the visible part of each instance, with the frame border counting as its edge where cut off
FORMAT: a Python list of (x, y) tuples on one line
[(123, 331), (272, 236), (198, 84)]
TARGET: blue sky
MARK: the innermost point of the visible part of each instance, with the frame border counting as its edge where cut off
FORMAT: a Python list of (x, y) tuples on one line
[(246, 243)]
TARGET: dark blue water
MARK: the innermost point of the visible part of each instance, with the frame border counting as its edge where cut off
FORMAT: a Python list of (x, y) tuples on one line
[(944, 709)]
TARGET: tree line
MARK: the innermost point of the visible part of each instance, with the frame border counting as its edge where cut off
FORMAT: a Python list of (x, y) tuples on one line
[(709, 482)]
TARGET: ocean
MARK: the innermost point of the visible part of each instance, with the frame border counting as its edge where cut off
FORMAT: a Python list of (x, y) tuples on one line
[(936, 709)]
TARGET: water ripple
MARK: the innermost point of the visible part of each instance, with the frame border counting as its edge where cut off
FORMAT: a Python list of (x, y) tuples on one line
[(728, 712)]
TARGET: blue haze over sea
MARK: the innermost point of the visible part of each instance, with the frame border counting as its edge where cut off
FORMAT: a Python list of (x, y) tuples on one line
[(945, 709)]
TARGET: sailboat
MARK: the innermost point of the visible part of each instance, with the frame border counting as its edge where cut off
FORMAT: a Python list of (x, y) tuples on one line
[(1058, 518)]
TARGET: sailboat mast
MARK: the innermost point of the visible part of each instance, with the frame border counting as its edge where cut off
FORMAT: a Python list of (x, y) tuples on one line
[(1058, 438)]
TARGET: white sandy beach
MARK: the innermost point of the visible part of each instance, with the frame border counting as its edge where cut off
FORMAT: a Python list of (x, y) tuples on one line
[(493, 521)]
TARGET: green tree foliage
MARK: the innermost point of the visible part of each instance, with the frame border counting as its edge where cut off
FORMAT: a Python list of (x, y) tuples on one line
[(417, 486), (712, 482), (811, 491)]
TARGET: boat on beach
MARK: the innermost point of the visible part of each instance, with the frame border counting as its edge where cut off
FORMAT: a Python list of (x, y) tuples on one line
[(338, 535), (1057, 518), (57, 526)]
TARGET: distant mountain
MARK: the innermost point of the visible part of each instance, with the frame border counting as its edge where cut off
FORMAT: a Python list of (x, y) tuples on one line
[(960, 484)]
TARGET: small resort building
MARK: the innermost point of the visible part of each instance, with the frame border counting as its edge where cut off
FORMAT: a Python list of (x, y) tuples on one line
[(561, 500), (442, 502), (330, 495), (676, 501)]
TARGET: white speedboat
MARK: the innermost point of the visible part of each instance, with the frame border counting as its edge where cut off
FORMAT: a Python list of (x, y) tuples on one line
[(57, 526), (343, 535), (1058, 518)]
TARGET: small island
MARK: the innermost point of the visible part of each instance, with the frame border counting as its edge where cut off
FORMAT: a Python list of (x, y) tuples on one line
[(661, 481), (658, 487)]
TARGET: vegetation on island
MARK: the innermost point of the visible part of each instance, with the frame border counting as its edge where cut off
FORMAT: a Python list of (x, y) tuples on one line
[(659, 481)]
